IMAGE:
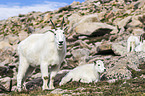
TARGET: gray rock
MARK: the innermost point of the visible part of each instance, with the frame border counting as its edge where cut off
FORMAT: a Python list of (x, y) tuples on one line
[(57, 91), (23, 35), (124, 22), (94, 28), (43, 30), (121, 67), (119, 48), (81, 55)]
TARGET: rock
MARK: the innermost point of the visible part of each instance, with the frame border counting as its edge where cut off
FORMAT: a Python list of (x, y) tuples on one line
[(104, 48), (119, 48), (115, 22), (34, 84), (46, 17), (58, 91), (124, 22), (102, 14), (97, 29), (23, 35), (6, 53), (43, 30), (75, 3), (137, 31), (110, 15), (36, 75), (121, 67), (2, 70), (142, 19), (4, 44), (66, 8), (80, 20), (30, 29), (118, 72), (13, 39), (73, 19), (37, 82), (6, 71), (81, 55), (6, 82), (135, 22), (105, 1)]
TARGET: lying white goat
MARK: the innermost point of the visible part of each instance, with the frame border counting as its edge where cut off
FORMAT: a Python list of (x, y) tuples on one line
[(132, 42), (47, 50), (85, 73)]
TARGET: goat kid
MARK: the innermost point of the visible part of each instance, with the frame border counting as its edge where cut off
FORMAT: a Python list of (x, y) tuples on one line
[(85, 73), (47, 50)]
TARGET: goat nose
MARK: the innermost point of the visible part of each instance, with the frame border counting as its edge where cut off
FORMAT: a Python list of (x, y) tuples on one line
[(104, 70), (60, 42)]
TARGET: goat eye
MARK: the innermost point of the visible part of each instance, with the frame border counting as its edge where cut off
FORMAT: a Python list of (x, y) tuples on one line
[(98, 64)]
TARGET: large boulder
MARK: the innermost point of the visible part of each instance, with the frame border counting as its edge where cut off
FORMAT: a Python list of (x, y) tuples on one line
[(94, 28), (122, 67)]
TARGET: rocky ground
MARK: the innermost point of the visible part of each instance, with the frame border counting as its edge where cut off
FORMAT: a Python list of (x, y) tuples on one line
[(96, 29)]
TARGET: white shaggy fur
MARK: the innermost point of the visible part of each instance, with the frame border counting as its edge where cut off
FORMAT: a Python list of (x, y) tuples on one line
[(85, 73), (47, 50), (132, 42), (140, 47)]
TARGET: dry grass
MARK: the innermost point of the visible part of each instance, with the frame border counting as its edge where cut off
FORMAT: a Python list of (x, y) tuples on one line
[(131, 87)]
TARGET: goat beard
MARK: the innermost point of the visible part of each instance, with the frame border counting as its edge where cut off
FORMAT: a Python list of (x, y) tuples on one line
[(60, 47)]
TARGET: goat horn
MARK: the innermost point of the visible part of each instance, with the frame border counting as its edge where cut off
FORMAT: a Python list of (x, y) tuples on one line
[(51, 31), (62, 23), (52, 24)]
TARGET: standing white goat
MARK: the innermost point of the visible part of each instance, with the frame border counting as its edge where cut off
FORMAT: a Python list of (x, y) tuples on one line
[(47, 50), (132, 42), (85, 73)]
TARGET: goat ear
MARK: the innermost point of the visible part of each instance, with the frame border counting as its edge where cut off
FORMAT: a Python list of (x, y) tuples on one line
[(62, 23), (94, 62), (141, 37), (52, 24)]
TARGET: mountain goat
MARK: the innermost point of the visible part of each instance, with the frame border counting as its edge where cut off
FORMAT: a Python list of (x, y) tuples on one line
[(142, 37), (140, 47), (47, 50), (85, 73), (132, 42)]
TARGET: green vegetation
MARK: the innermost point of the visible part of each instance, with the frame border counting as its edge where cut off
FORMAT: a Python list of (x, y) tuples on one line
[(131, 87)]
